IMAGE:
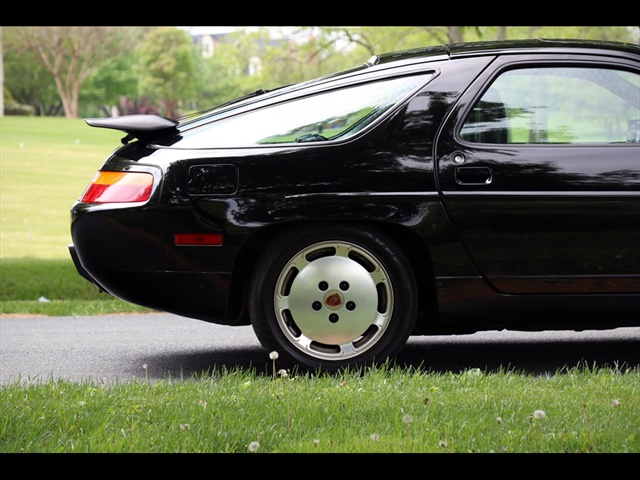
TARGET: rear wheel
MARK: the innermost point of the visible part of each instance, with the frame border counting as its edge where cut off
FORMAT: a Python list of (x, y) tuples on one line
[(331, 297)]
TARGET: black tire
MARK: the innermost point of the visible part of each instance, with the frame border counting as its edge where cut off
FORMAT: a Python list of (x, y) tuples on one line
[(331, 297)]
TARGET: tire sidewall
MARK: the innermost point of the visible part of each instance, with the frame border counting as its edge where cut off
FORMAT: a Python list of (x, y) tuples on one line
[(285, 247)]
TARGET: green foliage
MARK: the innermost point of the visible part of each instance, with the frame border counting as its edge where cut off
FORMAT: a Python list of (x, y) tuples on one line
[(113, 80), (69, 54), (216, 82), (380, 410), (166, 67), (27, 80)]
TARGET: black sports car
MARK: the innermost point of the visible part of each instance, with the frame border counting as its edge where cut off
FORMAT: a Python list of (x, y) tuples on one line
[(444, 190)]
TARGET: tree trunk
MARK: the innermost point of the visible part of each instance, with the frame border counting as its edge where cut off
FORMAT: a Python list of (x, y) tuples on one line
[(71, 55), (455, 34)]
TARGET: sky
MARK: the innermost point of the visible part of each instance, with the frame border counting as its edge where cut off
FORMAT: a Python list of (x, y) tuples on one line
[(203, 30), (199, 30)]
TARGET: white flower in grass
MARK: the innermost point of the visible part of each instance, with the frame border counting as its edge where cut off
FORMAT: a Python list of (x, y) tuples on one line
[(273, 355), (254, 447), (616, 403), (406, 418), (539, 414), (316, 442), (374, 437)]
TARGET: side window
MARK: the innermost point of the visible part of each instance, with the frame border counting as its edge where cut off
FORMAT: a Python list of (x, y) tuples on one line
[(551, 105), (337, 114)]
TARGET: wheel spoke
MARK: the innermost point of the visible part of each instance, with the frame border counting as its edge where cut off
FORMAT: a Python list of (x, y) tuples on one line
[(333, 300), (326, 296)]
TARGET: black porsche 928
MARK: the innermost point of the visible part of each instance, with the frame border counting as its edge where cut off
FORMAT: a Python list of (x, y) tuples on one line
[(444, 190)]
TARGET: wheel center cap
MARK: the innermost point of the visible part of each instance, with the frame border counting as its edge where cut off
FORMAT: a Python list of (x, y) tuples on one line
[(333, 300)]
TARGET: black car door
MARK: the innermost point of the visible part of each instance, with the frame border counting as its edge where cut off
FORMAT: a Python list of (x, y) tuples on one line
[(539, 170)]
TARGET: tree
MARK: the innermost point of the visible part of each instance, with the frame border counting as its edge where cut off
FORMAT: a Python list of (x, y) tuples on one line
[(29, 82), (115, 82), (216, 79), (167, 67), (377, 40), (71, 55)]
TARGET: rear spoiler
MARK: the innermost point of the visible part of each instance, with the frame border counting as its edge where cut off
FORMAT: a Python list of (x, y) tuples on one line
[(143, 127)]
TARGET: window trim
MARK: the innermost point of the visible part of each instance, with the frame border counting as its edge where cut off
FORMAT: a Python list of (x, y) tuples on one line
[(507, 63), (428, 74)]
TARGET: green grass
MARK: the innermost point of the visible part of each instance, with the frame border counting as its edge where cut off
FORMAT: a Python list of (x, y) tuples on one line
[(53, 287), (45, 165), (382, 411)]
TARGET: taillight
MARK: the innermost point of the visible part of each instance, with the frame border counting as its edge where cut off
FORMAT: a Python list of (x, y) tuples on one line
[(117, 187)]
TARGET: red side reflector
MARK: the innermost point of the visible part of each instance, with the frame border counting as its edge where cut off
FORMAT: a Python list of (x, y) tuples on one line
[(118, 187), (197, 239)]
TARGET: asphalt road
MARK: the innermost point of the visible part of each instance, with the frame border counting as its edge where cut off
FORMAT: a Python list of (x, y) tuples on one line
[(161, 346)]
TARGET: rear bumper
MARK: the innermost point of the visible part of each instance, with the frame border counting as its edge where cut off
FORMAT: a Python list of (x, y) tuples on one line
[(81, 270), (199, 295)]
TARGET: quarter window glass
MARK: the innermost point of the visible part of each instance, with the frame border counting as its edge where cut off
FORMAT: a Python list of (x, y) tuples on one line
[(337, 114), (558, 105)]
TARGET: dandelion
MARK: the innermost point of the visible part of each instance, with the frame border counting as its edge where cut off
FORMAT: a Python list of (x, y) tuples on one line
[(274, 356), (316, 442), (539, 415), (615, 404), (185, 427), (443, 444), (407, 419), (145, 367), (284, 374), (254, 446), (374, 437), (586, 417)]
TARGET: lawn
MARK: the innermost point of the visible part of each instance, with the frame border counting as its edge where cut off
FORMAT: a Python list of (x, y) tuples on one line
[(45, 165)]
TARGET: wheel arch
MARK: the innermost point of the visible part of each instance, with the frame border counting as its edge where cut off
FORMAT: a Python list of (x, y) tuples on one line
[(408, 241)]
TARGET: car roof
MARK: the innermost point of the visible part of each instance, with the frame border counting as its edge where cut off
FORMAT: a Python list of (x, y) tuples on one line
[(444, 52), (425, 55), (537, 45)]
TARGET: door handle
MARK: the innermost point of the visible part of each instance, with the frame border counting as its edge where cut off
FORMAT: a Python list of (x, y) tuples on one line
[(473, 175)]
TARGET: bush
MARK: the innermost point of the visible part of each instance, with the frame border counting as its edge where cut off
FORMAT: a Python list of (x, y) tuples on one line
[(14, 108)]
